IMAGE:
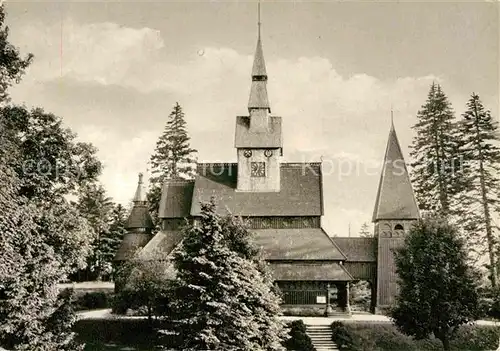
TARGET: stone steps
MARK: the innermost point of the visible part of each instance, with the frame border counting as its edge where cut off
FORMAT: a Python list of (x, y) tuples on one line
[(321, 337)]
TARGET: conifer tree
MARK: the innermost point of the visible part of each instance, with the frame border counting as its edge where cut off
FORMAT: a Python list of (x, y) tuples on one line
[(438, 290), (365, 232), (173, 158), (223, 297), (435, 155), (479, 147)]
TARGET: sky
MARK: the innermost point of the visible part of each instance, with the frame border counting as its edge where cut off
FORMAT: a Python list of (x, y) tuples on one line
[(114, 70)]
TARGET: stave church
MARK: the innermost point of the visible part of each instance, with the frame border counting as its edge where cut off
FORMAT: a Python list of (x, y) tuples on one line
[(283, 204)]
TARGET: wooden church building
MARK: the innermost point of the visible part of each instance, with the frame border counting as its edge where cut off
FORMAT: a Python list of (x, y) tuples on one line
[(283, 204)]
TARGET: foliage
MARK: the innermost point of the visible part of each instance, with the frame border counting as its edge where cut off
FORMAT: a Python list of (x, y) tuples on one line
[(438, 291), (147, 286), (51, 163), (385, 336), (479, 148), (173, 158), (35, 223), (107, 222), (12, 65), (360, 295), (223, 297), (298, 338), (303, 311), (365, 231), (435, 155), (135, 333)]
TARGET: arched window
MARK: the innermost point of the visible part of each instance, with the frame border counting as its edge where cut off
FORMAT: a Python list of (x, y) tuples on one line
[(399, 227)]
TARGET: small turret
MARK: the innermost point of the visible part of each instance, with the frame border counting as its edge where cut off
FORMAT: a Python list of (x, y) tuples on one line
[(139, 225)]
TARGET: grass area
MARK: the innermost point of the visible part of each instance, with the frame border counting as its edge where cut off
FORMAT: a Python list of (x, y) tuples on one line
[(385, 337)]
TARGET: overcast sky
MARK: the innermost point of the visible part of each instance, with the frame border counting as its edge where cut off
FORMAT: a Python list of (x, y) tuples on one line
[(113, 71)]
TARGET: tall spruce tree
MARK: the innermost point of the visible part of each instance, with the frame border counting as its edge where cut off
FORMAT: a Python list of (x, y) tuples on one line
[(173, 158), (435, 155), (438, 289), (480, 149), (223, 297)]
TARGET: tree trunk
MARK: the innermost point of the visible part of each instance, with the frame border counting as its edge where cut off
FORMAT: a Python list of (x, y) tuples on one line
[(446, 343), (487, 217)]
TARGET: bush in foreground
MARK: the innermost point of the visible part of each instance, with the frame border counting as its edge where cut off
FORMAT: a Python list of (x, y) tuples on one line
[(386, 337), (438, 290), (299, 340)]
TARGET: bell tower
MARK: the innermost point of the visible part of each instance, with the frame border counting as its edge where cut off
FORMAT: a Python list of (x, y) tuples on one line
[(395, 212), (258, 137)]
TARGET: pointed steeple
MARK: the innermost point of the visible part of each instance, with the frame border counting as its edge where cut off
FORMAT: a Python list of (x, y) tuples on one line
[(139, 216), (395, 197), (140, 192), (258, 91)]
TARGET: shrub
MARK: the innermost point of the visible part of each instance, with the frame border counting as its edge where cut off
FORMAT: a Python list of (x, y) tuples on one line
[(92, 300), (303, 311), (382, 337), (299, 340)]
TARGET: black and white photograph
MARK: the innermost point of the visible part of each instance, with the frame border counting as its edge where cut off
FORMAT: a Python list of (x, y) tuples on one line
[(254, 175)]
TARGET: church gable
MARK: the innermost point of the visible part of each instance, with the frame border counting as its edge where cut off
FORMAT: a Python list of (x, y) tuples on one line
[(300, 193)]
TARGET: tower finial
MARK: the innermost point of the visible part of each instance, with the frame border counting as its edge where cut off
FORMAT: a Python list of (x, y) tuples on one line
[(258, 16), (392, 117)]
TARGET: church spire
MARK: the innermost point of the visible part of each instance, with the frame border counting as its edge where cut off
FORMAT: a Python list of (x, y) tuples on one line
[(258, 91), (140, 192), (395, 197)]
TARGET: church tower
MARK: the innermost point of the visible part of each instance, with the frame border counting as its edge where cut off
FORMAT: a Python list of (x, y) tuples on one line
[(258, 137), (395, 212)]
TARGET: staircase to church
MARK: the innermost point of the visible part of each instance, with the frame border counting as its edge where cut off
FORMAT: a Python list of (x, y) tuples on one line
[(321, 337)]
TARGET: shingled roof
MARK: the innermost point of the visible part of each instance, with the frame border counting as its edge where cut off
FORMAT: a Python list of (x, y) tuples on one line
[(358, 249), (162, 244), (300, 192), (176, 198), (395, 198), (245, 138), (297, 244), (139, 217), (326, 271), (131, 244)]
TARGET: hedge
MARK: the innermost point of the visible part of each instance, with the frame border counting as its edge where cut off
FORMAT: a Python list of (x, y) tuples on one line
[(382, 337), (116, 334)]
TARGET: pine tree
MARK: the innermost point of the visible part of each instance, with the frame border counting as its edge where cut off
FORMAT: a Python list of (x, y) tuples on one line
[(434, 153), (438, 290), (173, 158), (365, 232), (479, 147), (223, 297)]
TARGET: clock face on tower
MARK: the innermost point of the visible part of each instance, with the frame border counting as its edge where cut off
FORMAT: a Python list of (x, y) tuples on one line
[(258, 169)]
